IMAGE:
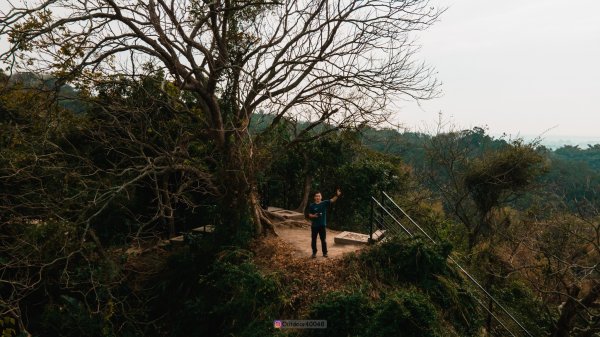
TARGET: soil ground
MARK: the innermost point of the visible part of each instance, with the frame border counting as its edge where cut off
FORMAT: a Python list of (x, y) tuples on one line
[(289, 255), (298, 239)]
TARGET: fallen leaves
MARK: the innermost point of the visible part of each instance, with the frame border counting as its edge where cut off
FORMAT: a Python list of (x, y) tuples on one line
[(306, 278)]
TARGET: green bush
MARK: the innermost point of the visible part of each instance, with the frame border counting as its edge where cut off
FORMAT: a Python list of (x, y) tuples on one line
[(522, 303), (406, 313), (409, 260), (399, 313), (70, 317), (417, 263), (233, 298), (347, 314)]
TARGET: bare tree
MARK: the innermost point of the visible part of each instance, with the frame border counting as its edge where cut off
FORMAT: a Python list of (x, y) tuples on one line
[(336, 62), (475, 180), (558, 257)]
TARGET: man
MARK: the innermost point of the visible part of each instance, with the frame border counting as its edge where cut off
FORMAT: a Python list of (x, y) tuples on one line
[(317, 213)]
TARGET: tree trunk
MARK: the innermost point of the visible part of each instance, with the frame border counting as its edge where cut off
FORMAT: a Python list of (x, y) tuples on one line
[(236, 216), (472, 239), (170, 214), (256, 211), (307, 183), (568, 311), (241, 213), (572, 307), (305, 194), (488, 323)]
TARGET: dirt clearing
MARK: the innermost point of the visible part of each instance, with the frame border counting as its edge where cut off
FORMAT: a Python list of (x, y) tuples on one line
[(298, 239)]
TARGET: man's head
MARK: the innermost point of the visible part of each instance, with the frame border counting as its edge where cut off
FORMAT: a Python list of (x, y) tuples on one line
[(318, 197)]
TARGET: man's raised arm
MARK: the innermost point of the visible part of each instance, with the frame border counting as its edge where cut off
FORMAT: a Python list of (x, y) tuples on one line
[(337, 194)]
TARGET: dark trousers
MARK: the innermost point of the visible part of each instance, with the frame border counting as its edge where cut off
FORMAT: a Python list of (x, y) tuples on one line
[(313, 242)]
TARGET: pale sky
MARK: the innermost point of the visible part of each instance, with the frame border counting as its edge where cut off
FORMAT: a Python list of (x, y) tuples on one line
[(516, 66)]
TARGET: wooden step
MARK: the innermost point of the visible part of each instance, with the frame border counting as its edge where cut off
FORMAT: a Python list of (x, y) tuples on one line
[(287, 214), (207, 229), (177, 241)]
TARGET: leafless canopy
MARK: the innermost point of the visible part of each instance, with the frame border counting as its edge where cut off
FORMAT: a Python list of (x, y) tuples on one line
[(326, 62), (335, 61)]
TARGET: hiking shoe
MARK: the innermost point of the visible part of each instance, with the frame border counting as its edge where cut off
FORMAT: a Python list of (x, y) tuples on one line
[(325, 255), (314, 256)]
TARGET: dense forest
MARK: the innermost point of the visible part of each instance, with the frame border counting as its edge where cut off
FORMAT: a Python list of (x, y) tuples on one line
[(126, 124), (87, 194)]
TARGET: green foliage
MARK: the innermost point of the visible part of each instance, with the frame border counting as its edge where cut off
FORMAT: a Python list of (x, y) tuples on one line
[(589, 156), (57, 159), (525, 306), (227, 296), (292, 164), (64, 306), (573, 178), (420, 265), (475, 175), (508, 170), (8, 327), (405, 312), (559, 183), (337, 161), (402, 312), (70, 317), (347, 314), (409, 146), (409, 260), (366, 176)]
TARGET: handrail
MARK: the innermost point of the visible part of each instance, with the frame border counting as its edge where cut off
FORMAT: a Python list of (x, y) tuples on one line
[(393, 218), (409, 218), (471, 278), (495, 317)]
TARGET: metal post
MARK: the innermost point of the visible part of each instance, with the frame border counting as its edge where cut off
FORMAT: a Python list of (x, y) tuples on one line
[(371, 224)]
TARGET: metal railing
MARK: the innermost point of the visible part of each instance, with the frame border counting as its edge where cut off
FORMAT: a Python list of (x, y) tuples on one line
[(388, 218), (382, 219)]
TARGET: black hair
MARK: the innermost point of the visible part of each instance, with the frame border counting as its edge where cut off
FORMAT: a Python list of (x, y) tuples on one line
[(317, 192)]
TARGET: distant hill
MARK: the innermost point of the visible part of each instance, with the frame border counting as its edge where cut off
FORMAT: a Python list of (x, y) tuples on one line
[(555, 142), (68, 97)]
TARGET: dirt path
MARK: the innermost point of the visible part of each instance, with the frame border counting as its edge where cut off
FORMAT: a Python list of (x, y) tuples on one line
[(307, 279), (298, 239)]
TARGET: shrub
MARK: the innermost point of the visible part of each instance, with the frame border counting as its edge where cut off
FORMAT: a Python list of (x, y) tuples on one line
[(416, 263), (347, 314), (523, 304), (409, 260), (406, 313), (233, 298)]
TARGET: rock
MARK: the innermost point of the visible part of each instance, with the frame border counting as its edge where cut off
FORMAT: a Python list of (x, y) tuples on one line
[(351, 238)]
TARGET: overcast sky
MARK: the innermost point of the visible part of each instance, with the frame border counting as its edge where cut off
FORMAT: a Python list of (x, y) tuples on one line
[(520, 67)]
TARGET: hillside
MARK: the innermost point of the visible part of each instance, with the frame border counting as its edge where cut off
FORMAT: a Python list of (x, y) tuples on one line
[(86, 198)]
